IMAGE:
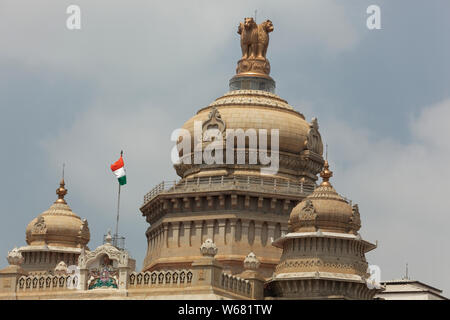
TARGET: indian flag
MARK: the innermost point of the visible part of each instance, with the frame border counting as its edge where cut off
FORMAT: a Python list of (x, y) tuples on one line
[(119, 171)]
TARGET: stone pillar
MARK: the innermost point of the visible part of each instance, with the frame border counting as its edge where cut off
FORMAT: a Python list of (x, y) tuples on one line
[(270, 233), (251, 266), (8, 281), (124, 272), (84, 277), (207, 270), (10, 275), (210, 229), (244, 233), (258, 230), (175, 235), (220, 237), (198, 225)]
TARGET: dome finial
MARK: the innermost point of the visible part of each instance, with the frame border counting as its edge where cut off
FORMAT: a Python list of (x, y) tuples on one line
[(61, 191), (326, 174), (253, 68)]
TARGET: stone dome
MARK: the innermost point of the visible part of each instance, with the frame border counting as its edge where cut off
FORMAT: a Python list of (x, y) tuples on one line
[(58, 226), (325, 210), (300, 144)]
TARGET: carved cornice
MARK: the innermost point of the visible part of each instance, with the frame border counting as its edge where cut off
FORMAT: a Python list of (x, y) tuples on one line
[(220, 201)]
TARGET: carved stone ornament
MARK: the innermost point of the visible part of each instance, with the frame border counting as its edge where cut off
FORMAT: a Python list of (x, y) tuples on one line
[(214, 121), (84, 229), (208, 248), (112, 252), (308, 212), (14, 257), (355, 218), (39, 226), (210, 127), (61, 268), (314, 140), (251, 262)]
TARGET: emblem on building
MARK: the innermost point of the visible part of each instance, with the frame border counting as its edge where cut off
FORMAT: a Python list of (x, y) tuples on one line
[(308, 212), (39, 226)]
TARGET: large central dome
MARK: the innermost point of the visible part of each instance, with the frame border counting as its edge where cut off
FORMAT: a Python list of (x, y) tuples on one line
[(300, 144), (265, 159), (251, 106)]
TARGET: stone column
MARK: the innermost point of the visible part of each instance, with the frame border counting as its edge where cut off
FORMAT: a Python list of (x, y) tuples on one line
[(124, 272), (207, 270), (210, 229), (244, 234), (10, 275), (251, 266), (84, 277), (220, 237)]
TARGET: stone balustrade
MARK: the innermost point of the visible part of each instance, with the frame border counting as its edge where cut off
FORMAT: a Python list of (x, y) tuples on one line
[(259, 184), (235, 284), (47, 282), (160, 278)]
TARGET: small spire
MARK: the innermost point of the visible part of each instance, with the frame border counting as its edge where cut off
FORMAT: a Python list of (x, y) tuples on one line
[(108, 238), (326, 174), (406, 277), (61, 192)]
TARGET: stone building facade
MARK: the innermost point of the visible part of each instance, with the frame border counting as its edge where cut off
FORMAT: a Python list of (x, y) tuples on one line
[(56, 235), (226, 229)]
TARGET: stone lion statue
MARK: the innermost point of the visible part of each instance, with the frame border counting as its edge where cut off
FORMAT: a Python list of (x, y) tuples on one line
[(254, 38), (249, 37), (263, 38)]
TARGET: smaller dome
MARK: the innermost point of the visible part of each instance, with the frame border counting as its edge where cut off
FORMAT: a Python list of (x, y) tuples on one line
[(325, 210), (58, 226)]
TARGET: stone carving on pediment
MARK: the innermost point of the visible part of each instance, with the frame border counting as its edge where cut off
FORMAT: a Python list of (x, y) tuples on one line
[(85, 259)]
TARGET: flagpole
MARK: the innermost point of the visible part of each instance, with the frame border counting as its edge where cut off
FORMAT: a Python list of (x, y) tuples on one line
[(117, 220), (118, 209)]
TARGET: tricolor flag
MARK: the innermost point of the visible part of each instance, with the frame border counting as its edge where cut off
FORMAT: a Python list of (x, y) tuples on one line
[(119, 171)]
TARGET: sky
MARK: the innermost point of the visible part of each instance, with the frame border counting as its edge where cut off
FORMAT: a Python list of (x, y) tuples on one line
[(137, 70)]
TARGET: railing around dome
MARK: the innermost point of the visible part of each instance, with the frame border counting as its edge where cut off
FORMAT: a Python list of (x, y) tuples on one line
[(269, 185)]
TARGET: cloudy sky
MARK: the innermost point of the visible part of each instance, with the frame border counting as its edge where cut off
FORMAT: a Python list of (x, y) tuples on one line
[(138, 70)]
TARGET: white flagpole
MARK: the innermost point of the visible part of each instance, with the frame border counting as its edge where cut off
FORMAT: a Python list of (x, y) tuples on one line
[(118, 210), (118, 206)]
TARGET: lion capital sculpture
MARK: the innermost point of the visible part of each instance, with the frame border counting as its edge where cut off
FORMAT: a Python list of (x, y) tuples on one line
[(254, 38)]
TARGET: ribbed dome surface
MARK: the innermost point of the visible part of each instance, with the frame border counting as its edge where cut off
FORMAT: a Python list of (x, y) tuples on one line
[(257, 109), (58, 226), (326, 210)]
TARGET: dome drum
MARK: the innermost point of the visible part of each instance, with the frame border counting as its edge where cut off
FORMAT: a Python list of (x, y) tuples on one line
[(252, 83)]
